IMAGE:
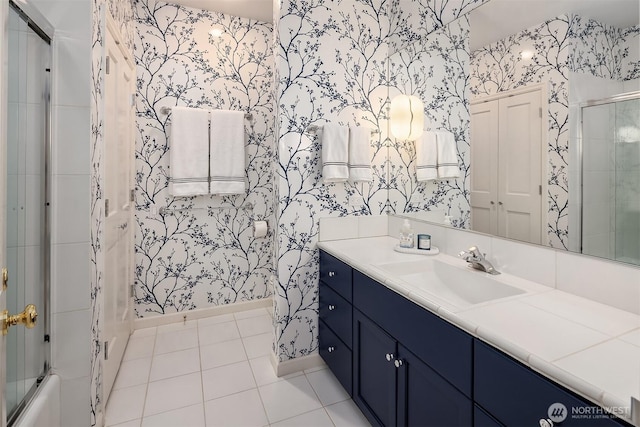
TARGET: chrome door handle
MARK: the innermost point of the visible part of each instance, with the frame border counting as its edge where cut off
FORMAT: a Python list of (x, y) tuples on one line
[(331, 349), (389, 357), (332, 273), (398, 363), (332, 307)]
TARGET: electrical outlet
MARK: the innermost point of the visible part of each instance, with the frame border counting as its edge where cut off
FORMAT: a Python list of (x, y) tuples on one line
[(356, 201)]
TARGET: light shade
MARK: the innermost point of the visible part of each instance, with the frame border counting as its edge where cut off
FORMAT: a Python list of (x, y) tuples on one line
[(406, 117), (216, 31)]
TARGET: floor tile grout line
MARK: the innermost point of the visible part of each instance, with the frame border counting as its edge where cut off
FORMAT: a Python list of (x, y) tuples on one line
[(204, 410), (255, 381)]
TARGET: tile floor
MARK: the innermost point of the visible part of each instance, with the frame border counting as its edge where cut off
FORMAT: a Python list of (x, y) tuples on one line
[(217, 372)]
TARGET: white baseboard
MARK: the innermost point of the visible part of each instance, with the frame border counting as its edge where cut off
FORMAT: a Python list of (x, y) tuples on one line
[(296, 365), (165, 319)]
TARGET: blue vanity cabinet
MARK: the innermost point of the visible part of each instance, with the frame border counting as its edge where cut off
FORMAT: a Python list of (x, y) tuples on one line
[(515, 395), (395, 343), (335, 327), (374, 373)]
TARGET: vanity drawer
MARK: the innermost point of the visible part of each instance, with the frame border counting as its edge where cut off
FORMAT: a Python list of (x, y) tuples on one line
[(336, 312), (336, 274), (336, 355), (515, 395), (445, 348)]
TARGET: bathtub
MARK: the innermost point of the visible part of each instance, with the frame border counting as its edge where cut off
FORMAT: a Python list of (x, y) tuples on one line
[(44, 408)]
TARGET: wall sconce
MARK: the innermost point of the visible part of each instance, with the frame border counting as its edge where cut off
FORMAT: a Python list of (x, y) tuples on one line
[(406, 117), (216, 31)]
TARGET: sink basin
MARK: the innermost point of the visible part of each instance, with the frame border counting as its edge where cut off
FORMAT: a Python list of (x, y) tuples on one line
[(456, 285)]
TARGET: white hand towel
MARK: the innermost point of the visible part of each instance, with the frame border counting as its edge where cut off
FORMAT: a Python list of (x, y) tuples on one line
[(426, 156), (447, 156), (189, 155), (335, 153), (359, 154), (227, 152)]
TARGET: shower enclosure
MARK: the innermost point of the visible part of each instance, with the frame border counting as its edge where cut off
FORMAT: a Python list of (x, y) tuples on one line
[(611, 178), (27, 230)]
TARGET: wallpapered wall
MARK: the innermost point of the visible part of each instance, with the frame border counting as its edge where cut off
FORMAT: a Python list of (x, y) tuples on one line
[(560, 45), (201, 256), (436, 69), (331, 68)]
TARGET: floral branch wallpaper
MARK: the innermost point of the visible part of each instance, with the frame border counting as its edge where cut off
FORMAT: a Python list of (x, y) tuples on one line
[(202, 255), (436, 69)]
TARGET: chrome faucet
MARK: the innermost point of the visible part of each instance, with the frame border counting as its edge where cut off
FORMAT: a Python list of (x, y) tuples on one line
[(477, 260)]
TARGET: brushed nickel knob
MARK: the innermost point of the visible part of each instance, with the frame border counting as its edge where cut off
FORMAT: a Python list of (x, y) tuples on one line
[(330, 349), (332, 307), (398, 363), (332, 273), (389, 357)]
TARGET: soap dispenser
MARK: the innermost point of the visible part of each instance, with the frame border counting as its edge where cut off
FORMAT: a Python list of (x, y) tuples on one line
[(406, 235)]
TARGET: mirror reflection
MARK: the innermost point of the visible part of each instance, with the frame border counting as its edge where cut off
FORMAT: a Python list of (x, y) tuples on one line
[(548, 149)]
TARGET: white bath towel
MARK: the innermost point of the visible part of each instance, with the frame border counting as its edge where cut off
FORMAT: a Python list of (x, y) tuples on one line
[(335, 153), (447, 156), (227, 152), (359, 154), (427, 156), (189, 152)]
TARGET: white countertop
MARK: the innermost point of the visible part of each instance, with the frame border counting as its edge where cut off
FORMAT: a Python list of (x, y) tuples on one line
[(590, 348)]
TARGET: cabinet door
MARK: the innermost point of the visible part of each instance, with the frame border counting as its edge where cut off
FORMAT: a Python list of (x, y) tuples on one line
[(425, 398), (374, 372)]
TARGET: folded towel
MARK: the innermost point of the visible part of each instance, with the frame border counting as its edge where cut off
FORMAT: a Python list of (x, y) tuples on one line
[(227, 152), (359, 154), (335, 153), (189, 155), (447, 156), (427, 156)]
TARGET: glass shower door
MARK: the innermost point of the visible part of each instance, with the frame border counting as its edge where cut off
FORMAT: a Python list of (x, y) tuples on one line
[(27, 241), (627, 181)]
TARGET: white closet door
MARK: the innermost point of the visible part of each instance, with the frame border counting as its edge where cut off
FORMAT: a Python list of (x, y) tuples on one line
[(484, 167), (119, 128), (520, 168)]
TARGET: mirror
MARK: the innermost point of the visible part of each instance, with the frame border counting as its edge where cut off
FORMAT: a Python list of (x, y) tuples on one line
[(513, 82)]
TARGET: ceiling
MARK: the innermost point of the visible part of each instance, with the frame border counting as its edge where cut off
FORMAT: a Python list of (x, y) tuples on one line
[(498, 19), (261, 10), (491, 22)]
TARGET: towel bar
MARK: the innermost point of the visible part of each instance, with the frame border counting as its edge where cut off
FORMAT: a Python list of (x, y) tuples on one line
[(167, 110), (312, 129), (165, 210)]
